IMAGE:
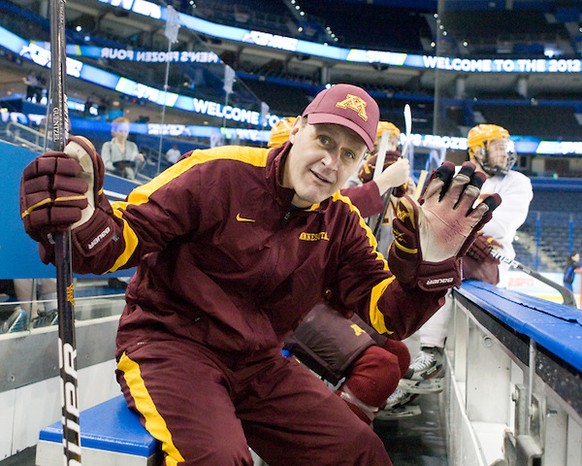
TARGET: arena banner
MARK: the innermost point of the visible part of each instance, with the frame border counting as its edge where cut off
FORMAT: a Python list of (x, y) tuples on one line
[(274, 41)]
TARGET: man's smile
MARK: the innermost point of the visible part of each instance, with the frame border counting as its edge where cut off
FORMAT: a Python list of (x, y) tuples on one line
[(320, 177)]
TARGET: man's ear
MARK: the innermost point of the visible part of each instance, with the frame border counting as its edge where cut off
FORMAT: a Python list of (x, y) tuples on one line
[(295, 128)]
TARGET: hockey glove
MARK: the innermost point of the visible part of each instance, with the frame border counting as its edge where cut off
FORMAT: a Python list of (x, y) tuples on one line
[(429, 240), (59, 190), (480, 249)]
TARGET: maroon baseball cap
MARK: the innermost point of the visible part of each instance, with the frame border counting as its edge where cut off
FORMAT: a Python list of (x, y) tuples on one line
[(349, 106)]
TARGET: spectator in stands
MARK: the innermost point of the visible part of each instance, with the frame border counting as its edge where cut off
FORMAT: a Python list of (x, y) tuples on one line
[(173, 154), (120, 156), (233, 247), (40, 87), (491, 149), (572, 265), (103, 106), (89, 104), (31, 84)]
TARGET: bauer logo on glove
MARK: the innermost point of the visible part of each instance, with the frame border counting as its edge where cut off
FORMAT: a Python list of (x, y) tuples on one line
[(431, 236), (62, 190)]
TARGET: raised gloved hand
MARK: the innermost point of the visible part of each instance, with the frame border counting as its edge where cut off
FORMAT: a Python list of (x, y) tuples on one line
[(59, 190), (429, 240), (480, 249)]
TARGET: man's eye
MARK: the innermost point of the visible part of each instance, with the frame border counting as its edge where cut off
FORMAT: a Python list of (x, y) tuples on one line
[(349, 155), (324, 140)]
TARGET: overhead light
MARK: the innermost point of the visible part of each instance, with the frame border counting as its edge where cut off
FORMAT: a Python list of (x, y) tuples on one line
[(551, 52)]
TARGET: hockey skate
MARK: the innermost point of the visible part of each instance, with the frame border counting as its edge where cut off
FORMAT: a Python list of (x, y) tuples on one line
[(398, 406), (425, 373)]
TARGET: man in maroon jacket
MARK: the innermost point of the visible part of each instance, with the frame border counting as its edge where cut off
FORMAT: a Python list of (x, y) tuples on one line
[(342, 348), (233, 246)]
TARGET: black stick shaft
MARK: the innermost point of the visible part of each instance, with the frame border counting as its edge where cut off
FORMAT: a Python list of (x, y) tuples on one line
[(65, 289), (381, 215)]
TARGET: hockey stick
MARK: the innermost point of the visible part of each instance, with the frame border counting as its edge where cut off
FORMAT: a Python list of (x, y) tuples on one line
[(408, 129), (377, 172), (65, 292), (567, 296), (420, 184), (380, 166), (381, 154)]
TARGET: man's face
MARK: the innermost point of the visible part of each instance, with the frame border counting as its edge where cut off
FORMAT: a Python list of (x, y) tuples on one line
[(392, 143), (497, 153), (120, 130), (320, 161)]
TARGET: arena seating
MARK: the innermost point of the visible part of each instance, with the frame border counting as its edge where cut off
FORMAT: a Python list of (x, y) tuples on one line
[(543, 121), (555, 233), (372, 27), (489, 26)]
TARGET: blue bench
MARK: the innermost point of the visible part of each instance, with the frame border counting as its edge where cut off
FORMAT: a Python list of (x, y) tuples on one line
[(111, 435)]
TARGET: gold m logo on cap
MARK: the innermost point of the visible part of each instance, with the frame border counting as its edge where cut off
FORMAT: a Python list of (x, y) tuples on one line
[(355, 103)]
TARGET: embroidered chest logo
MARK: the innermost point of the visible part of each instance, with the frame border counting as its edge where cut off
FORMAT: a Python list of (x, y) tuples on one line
[(322, 235), (357, 330), (355, 103)]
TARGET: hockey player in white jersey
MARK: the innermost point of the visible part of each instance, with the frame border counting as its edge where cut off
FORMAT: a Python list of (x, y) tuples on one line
[(492, 151)]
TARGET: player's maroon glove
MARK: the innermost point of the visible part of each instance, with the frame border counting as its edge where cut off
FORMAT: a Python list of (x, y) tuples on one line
[(480, 249), (51, 194), (429, 240), (59, 190)]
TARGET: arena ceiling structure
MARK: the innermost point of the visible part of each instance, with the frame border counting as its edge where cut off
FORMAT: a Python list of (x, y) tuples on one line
[(494, 28), (458, 22)]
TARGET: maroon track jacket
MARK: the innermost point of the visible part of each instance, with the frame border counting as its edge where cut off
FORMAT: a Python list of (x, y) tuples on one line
[(224, 259)]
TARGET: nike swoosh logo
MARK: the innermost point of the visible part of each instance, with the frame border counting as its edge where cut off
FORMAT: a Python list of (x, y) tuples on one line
[(243, 219)]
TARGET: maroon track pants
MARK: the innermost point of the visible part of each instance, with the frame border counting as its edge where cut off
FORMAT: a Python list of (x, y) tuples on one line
[(208, 411)]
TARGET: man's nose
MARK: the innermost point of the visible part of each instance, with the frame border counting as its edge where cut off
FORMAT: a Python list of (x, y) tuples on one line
[(331, 159)]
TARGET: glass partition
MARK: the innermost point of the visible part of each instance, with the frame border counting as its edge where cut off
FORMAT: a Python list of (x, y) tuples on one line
[(516, 64)]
